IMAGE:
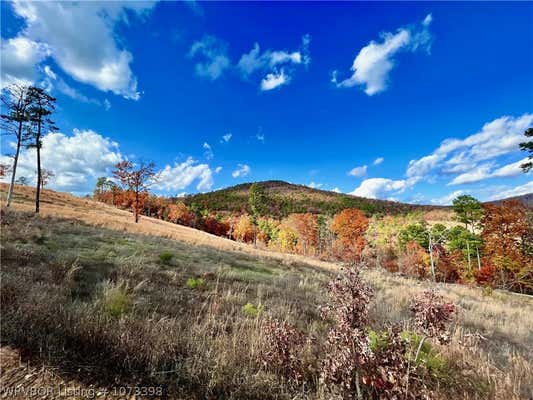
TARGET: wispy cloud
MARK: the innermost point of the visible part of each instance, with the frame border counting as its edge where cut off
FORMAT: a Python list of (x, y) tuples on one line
[(276, 67), (374, 62), (358, 171), (212, 53), (378, 161), (241, 171)]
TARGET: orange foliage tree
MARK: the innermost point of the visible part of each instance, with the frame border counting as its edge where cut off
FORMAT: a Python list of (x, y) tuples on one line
[(414, 261), (350, 226), (244, 229), (306, 227), (179, 213), (505, 232), (136, 179)]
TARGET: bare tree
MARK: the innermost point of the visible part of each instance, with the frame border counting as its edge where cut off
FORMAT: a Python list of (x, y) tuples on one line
[(41, 107), (137, 179), (15, 98)]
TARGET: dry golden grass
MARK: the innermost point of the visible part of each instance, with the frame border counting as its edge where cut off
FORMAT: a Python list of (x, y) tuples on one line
[(94, 213), (493, 331), (216, 343)]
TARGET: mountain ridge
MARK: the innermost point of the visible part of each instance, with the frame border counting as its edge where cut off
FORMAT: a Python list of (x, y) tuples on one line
[(285, 198)]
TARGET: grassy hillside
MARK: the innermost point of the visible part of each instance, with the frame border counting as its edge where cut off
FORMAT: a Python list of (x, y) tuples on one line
[(92, 300), (285, 198)]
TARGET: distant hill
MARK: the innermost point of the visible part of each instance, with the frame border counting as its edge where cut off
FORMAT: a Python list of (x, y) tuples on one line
[(286, 198), (526, 199)]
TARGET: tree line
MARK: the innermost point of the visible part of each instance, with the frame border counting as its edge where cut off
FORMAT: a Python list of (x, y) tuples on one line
[(490, 244)]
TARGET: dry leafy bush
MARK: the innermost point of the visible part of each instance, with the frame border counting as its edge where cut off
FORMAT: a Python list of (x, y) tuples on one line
[(431, 313), (360, 363), (283, 348)]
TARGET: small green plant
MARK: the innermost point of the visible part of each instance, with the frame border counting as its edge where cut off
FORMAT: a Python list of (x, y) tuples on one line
[(116, 301), (252, 311), (423, 355), (377, 340), (487, 291), (166, 257), (195, 283)]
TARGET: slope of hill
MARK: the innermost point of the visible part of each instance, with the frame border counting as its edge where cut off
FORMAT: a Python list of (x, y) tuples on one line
[(155, 305), (285, 198), (98, 214)]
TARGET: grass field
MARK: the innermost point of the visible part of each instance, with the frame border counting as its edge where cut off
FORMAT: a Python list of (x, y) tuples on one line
[(92, 300)]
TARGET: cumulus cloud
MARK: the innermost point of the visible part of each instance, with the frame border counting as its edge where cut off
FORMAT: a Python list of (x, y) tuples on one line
[(486, 171), (276, 67), (242, 170), (213, 55), (336, 190), (274, 80), (94, 57), (447, 199), (378, 188), (52, 81), (378, 161), (20, 57), (226, 138), (77, 161), (181, 175), (374, 62), (517, 191), (315, 185), (358, 171), (472, 158)]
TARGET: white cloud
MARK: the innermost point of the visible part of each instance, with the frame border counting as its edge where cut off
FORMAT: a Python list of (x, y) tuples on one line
[(227, 137), (94, 57), (358, 171), (447, 200), (181, 175), (486, 171), (315, 185), (217, 170), (242, 170), (473, 157), (53, 81), (336, 190), (378, 188), (276, 67), (274, 80), (75, 160), (208, 153), (213, 53), (517, 191), (20, 56), (378, 161), (373, 63)]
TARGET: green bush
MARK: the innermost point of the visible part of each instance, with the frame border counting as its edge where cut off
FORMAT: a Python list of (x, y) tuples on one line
[(377, 340), (195, 283), (428, 357), (166, 257), (252, 311), (116, 301)]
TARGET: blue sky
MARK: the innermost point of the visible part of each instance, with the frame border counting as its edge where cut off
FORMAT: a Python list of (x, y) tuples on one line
[(415, 102)]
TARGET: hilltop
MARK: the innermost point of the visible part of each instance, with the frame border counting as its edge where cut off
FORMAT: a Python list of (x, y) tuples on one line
[(286, 198)]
